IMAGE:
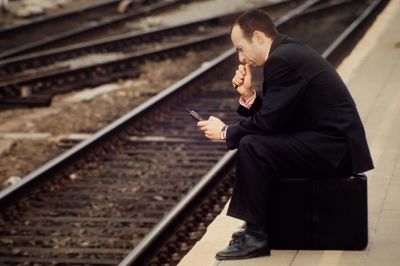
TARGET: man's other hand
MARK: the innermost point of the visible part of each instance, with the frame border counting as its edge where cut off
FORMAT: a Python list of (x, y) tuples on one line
[(211, 127), (242, 81)]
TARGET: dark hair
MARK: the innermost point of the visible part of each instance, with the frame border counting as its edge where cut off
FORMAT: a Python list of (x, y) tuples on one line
[(253, 20)]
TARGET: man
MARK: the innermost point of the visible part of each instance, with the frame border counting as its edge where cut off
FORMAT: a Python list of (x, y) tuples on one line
[(305, 125)]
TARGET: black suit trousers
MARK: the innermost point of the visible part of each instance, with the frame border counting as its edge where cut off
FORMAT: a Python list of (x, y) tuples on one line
[(263, 159)]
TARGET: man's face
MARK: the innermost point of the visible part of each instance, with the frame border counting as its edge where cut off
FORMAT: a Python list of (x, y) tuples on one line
[(250, 52)]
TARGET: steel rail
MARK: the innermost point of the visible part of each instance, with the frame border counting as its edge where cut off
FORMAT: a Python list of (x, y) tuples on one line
[(149, 245), (327, 5), (43, 96), (23, 80), (7, 195), (13, 192), (46, 19), (340, 47), (87, 28), (10, 193), (100, 45), (41, 173), (13, 84)]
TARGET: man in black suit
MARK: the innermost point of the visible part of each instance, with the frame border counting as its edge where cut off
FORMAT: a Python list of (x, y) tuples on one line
[(305, 125)]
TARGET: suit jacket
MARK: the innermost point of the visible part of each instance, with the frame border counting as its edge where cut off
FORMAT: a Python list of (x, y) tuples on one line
[(304, 96)]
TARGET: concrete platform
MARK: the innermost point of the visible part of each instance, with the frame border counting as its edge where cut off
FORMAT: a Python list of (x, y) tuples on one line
[(372, 73)]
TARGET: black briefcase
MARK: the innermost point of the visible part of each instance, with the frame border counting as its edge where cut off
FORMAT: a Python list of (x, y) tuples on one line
[(319, 214)]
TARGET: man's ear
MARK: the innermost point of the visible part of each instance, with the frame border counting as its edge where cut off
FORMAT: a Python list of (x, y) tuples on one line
[(258, 37)]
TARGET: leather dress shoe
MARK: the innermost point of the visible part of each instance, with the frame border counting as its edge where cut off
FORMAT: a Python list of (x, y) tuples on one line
[(238, 234), (241, 232), (244, 247)]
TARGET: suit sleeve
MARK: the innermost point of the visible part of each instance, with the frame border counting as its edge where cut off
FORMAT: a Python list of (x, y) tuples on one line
[(283, 87), (243, 111)]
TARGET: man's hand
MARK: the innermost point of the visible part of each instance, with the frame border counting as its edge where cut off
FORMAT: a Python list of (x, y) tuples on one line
[(242, 81), (211, 127)]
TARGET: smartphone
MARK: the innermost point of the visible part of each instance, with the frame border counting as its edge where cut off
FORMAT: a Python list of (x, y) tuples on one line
[(195, 115)]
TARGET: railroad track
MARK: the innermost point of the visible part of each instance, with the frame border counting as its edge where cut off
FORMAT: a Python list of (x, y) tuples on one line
[(34, 79), (131, 42), (125, 188), (74, 26)]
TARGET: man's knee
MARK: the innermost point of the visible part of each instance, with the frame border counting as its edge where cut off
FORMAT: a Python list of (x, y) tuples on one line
[(247, 142), (262, 148), (254, 141)]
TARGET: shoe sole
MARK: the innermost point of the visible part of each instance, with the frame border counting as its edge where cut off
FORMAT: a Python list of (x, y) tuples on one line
[(248, 256)]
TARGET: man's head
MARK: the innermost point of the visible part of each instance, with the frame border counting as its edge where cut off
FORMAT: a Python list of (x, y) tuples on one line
[(252, 35)]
